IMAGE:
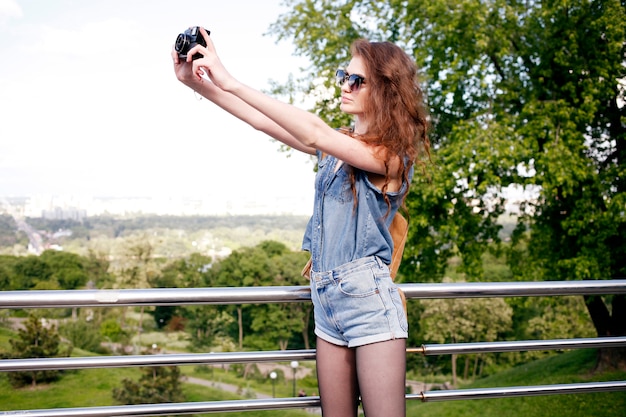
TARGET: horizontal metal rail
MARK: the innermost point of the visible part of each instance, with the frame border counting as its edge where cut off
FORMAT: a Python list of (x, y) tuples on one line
[(314, 402), (14, 365), (259, 295), (513, 289), (529, 391), (281, 294), (173, 408), (518, 346)]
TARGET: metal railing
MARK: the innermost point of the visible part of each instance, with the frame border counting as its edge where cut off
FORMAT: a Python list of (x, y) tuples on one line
[(257, 295)]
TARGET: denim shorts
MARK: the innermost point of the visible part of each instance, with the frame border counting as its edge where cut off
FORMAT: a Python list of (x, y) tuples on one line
[(357, 303)]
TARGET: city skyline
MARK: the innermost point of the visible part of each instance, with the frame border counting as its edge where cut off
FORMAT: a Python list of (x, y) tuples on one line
[(79, 207)]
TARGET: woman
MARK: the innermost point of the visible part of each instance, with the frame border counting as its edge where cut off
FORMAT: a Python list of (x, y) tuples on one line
[(363, 177)]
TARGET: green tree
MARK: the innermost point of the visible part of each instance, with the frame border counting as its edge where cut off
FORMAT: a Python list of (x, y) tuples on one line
[(111, 330), (189, 272), (278, 325), (35, 340), (68, 269), (465, 320), (156, 385), (138, 268), (245, 267), (266, 326), (288, 268), (7, 267), (97, 268), (523, 95), (206, 323), (28, 271), (82, 334), (203, 322), (561, 318)]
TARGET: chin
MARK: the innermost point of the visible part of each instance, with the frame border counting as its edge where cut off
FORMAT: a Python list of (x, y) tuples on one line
[(346, 108)]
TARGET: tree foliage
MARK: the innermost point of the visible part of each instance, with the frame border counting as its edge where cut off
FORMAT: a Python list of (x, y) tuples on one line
[(51, 270), (29, 271), (68, 269), (188, 272), (264, 326), (525, 96), (268, 263), (35, 340), (156, 385), (82, 334), (465, 320)]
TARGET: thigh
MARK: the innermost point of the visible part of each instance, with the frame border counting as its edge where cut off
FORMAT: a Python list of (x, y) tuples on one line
[(381, 370), (336, 374)]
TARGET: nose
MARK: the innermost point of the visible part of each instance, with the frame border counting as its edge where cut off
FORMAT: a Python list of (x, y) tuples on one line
[(345, 88)]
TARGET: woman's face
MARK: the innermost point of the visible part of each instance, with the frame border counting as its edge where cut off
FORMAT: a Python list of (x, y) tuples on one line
[(353, 98)]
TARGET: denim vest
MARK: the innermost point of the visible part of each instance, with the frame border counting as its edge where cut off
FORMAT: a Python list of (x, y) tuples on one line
[(338, 232)]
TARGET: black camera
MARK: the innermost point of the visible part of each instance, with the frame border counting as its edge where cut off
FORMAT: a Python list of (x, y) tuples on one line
[(187, 40)]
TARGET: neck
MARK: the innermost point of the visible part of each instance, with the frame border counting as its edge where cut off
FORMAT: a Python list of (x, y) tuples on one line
[(360, 126)]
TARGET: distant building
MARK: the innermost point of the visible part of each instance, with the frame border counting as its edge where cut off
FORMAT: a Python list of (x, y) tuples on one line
[(58, 213)]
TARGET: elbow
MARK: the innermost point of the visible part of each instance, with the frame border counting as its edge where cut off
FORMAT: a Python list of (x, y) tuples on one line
[(259, 123), (310, 136)]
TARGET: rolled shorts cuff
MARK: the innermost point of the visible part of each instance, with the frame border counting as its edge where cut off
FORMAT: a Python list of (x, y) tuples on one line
[(361, 341)]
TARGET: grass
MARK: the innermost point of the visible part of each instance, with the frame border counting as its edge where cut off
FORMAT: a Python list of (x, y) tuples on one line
[(86, 388), (5, 336), (571, 367), (93, 387)]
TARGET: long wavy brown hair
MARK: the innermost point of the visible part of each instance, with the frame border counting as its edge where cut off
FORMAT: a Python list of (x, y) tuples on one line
[(395, 109)]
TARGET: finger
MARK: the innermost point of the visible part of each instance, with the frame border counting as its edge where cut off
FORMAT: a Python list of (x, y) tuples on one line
[(175, 56), (209, 42), (198, 49), (199, 71)]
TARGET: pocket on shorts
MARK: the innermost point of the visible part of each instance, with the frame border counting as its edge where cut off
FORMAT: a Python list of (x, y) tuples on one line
[(359, 284), (396, 299)]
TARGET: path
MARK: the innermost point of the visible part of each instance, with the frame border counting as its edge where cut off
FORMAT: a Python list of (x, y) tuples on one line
[(235, 389)]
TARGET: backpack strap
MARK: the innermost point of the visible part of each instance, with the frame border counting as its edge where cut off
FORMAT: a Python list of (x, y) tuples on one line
[(399, 230)]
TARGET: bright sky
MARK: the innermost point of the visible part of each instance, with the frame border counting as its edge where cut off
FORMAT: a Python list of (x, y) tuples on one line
[(89, 103)]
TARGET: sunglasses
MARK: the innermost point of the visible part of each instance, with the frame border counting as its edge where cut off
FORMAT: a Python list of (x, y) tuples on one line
[(354, 81)]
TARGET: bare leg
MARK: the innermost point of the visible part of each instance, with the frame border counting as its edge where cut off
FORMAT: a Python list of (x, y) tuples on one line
[(381, 369), (336, 374)]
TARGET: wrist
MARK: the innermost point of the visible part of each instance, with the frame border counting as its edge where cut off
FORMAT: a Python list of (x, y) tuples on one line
[(233, 87), (199, 86)]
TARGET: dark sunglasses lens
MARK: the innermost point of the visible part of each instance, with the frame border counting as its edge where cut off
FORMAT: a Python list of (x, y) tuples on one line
[(340, 77), (354, 81)]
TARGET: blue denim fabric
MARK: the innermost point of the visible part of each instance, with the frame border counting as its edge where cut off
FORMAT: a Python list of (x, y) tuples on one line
[(337, 233), (357, 304)]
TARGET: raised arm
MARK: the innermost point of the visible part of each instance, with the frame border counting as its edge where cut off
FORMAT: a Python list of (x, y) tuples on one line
[(293, 126), (233, 105)]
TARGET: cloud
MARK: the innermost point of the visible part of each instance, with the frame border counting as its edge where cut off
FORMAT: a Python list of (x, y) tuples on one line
[(10, 8)]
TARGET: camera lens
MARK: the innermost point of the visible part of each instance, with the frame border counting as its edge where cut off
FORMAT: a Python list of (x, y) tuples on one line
[(182, 43)]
